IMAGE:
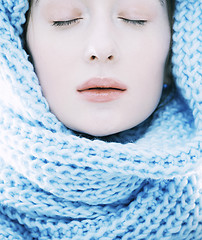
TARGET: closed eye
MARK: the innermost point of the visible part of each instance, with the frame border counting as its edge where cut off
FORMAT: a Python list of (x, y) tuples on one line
[(135, 22), (66, 23)]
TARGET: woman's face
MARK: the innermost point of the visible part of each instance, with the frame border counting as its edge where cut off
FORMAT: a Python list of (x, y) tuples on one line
[(100, 63)]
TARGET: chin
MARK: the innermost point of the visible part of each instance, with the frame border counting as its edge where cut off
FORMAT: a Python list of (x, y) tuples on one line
[(96, 132), (101, 131)]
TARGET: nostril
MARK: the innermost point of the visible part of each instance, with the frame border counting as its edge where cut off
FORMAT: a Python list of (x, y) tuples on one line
[(93, 57)]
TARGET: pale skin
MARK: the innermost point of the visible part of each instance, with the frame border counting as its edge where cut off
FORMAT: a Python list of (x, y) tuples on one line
[(72, 41)]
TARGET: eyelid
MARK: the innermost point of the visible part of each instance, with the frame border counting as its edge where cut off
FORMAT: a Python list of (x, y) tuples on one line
[(134, 21), (75, 20), (66, 22)]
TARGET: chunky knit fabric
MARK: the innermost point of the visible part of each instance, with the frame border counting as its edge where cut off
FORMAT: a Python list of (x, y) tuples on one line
[(144, 183)]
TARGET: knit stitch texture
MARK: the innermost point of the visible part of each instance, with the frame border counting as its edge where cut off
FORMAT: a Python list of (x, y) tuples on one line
[(141, 184)]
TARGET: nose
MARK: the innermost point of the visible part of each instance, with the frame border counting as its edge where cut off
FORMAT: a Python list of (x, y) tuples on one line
[(101, 46)]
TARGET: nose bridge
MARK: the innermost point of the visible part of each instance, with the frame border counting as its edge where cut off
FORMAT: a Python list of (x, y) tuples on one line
[(101, 40)]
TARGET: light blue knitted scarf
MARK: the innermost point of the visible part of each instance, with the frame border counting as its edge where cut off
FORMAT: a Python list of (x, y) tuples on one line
[(141, 184)]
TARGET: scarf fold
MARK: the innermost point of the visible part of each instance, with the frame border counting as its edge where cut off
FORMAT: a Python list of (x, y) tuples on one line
[(144, 183)]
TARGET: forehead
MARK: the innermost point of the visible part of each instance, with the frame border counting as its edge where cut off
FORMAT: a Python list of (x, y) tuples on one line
[(162, 2)]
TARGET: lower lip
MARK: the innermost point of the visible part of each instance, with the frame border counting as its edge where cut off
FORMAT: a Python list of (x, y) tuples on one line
[(101, 95)]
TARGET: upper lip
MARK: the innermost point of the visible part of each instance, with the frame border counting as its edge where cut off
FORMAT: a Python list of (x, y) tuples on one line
[(101, 83)]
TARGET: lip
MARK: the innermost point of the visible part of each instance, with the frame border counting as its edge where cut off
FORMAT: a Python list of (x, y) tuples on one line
[(101, 89)]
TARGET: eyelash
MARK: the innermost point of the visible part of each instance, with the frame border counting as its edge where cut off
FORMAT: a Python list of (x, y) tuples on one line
[(135, 22), (66, 23), (76, 20)]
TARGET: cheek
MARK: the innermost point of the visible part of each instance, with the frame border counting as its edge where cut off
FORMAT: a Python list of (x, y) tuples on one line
[(154, 49), (53, 60), (146, 62), (146, 59)]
